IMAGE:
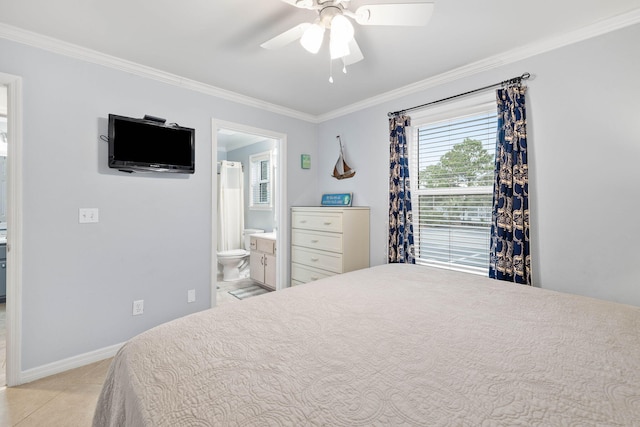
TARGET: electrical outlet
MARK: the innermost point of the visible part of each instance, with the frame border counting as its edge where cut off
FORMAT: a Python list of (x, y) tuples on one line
[(191, 295), (87, 215), (138, 307)]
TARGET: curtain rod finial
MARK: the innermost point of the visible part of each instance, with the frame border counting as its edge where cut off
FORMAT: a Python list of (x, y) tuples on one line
[(396, 113)]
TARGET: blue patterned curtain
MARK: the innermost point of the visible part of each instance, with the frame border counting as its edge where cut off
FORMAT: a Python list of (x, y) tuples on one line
[(510, 259), (400, 220)]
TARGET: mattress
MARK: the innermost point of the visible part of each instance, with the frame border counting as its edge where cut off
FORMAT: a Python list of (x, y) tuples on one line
[(390, 345)]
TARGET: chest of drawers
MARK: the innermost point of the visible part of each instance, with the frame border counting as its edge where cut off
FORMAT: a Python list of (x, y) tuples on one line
[(327, 241)]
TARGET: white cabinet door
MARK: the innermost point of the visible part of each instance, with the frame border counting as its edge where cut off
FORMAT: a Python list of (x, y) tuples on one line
[(256, 267), (270, 270)]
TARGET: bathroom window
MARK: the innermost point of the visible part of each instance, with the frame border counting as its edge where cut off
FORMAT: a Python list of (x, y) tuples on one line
[(261, 182)]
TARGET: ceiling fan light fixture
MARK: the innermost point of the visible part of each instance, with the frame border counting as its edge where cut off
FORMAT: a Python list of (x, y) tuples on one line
[(338, 50), (312, 38), (341, 35), (336, 16), (342, 29)]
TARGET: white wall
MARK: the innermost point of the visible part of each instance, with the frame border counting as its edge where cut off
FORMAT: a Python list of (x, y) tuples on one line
[(153, 241), (583, 110)]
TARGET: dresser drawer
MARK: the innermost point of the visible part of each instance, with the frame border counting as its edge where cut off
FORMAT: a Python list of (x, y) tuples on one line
[(315, 240), (321, 221), (304, 274), (323, 260)]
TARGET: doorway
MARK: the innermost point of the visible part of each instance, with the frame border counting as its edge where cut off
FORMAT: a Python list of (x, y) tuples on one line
[(4, 139), (253, 148), (12, 93)]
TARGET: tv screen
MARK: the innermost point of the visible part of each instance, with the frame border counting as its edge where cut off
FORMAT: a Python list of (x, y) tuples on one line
[(148, 145)]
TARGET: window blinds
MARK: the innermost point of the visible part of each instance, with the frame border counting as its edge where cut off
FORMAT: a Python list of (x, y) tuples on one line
[(260, 181), (454, 161)]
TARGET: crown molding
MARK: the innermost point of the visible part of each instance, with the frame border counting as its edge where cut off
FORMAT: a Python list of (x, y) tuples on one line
[(548, 44), (78, 52), (551, 43)]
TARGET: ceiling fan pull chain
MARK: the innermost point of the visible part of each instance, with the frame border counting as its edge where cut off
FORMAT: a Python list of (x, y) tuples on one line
[(330, 71)]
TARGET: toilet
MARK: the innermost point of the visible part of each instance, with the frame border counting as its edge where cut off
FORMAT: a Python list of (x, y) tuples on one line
[(233, 261)]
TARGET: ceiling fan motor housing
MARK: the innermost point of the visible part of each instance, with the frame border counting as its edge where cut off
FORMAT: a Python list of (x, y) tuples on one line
[(328, 13)]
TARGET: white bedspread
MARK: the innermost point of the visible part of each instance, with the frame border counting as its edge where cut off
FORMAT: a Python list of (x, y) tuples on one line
[(390, 345)]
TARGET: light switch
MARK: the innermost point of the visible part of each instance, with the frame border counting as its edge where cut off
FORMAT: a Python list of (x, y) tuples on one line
[(87, 215)]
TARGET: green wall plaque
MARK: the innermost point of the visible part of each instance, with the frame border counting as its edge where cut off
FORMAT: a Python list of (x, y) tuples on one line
[(305, 161)]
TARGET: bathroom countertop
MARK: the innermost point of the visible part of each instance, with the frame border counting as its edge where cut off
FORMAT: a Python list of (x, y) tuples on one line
[(270, 235)]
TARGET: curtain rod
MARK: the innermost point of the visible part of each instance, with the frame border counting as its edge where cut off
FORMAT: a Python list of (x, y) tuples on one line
[(514, 80)]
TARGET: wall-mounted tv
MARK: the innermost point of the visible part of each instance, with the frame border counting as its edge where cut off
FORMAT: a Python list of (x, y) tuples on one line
[(150, 145)]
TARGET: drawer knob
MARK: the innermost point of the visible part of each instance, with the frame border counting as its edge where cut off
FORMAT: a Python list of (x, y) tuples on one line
[(314, 278), (315, 259), (303, 221), (327, 223), (314, 240)]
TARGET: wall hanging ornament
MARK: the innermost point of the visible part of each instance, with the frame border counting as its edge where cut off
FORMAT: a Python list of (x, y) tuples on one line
[(342, 170)]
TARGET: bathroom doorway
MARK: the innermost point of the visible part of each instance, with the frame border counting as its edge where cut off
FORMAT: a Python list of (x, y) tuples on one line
[(259, 153), (4, 139), (12, 113)]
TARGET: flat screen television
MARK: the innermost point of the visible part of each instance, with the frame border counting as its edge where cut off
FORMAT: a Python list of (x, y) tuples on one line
[(150, 145)]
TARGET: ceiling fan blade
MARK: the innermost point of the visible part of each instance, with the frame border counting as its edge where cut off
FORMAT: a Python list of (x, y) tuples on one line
[(302, 4), (287, 37), (405, 14), (355, 54)]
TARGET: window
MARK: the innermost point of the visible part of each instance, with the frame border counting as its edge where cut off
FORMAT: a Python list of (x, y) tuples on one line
[(453, 157), (260, 181)]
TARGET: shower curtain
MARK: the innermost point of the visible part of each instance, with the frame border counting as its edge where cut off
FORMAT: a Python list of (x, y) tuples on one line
[(230, 206)]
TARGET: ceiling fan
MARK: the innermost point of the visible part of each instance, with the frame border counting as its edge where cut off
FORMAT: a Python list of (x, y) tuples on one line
[(333, 14)]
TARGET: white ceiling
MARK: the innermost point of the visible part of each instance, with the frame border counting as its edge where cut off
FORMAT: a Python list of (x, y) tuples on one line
[(232, 140), (217, 42)]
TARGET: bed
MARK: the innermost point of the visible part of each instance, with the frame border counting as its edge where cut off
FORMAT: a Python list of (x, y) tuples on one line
[(389, 345)]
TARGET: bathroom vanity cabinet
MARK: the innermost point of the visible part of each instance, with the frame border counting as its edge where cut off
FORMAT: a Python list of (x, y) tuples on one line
[(328, 240), (262, 261)]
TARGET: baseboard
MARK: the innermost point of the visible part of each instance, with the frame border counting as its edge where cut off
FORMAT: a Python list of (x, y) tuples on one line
[(66, 364)]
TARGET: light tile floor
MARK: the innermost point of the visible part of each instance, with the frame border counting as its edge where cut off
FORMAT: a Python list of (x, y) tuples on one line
[(68, 398)]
